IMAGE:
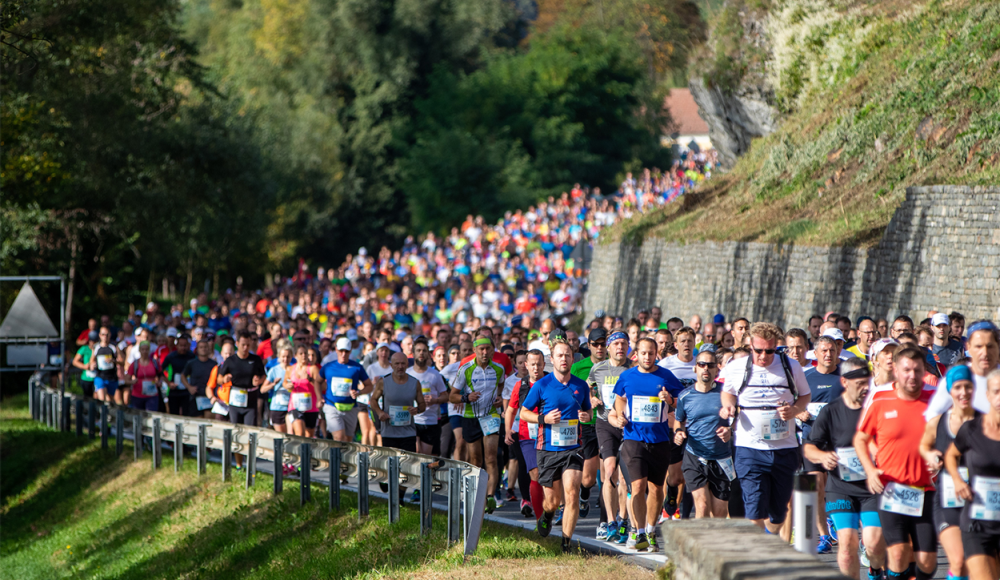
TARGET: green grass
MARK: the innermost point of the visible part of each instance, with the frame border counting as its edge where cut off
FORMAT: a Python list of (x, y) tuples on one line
[(71, 510)]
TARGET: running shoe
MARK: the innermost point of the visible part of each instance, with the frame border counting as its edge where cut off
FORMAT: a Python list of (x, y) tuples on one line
[(415, 498), (825, 546), (491, 504), (623, 533), (832, 528), (863, 555), (544, 525), (613, 535), (558, 519), (641, 542), (664, 516), (526, 509), (384, 487), (632, 541), (877, 575), (602, 531), (498, 498), (653, 547), (584, 508), (511, 498)]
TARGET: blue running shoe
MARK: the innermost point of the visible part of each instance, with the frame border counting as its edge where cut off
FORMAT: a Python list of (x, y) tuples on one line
[(825, 545), (832, 528), (558, 519)]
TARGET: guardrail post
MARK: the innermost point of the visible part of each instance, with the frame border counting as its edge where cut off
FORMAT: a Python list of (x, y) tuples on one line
[(227, 453), (64, 416), (279, 465), (251, 460), (92, 419), (469, 502), (454, 504), (178, 446), (119, 431), (45, 409), (137, 437), (393, 489), (156, 443), (305, 489), (104, 425), (333, 457), (362, 484), (31, 400), (426, 497), (79, 417), (53, 398), (202, 448)]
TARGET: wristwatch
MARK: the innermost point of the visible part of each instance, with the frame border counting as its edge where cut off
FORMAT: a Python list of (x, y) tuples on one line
[(465, 398)]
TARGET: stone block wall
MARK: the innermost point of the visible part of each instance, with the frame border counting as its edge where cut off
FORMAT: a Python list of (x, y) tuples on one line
[(940, 251)]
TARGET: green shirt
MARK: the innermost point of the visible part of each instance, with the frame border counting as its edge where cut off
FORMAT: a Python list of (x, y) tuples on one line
[(581, 370), (86, 352)]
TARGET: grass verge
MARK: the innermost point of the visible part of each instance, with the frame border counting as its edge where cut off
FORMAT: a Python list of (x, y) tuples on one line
[(71, 510)]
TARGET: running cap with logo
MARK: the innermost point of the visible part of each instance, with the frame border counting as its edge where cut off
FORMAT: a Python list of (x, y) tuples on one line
[(557, 334), (343, 343), (881, 344), (939, 319)]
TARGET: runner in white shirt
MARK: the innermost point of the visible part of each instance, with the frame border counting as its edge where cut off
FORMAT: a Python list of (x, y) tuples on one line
[(455, 411), (767, 453), (435, 392), (682, 367), (983, 346)]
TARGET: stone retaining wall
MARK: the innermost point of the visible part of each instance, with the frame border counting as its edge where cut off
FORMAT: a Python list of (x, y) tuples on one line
[(940, 251)]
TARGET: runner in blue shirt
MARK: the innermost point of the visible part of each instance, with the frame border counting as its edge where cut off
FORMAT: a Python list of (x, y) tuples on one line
[(564, 403), (644, 395), (345, 380)]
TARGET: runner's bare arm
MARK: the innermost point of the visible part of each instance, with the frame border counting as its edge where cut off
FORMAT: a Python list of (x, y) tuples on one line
[(875, 484), (951, 458)]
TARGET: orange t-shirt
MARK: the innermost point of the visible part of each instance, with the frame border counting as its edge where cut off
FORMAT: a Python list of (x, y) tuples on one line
[(896, 426)]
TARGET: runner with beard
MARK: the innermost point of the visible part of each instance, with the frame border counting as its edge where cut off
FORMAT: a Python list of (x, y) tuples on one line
[(614, 487), (851, 506)]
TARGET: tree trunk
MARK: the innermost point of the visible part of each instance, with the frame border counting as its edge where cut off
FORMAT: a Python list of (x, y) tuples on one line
[(68, 313), (215, 281), (187, 283)]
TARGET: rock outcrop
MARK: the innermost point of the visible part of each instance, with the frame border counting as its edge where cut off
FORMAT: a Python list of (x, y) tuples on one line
[(735, 120)]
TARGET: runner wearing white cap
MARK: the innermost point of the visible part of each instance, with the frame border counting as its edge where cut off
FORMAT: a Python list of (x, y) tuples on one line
[(345, 380)]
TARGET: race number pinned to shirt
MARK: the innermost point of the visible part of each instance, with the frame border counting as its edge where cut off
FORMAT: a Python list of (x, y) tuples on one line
[(902, 499), (814, 409), (986, 500), (608, 396), (947, 486), (768, 425), (341, 387), (849, 466), (203, 403), (105, 362), (565, 433), (727, 467), (302, 402), (149, 389), (533, 431), (490, 424), (238, 397), (399, 415), (646, 409)]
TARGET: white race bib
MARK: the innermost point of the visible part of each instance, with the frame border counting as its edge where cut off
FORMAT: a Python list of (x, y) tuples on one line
[(902, 499), (149, 389), (533, 431), (946, 486), (340, 387), (399, 416), (105, 362), (279, 402), (565, 433), (814, 409), (727, 467), (646, 409), (490, 425), (220, 408), (177, 381), (849, 466), (986, 500), (768, 426), (302, 402), (203, 403), (608, 396), (238, 397)]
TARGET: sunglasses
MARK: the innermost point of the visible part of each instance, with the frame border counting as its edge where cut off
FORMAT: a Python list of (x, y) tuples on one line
[(707, 365), (598, 343), (764, 350)]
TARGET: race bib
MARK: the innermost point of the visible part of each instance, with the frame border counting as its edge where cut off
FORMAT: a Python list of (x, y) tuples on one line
[(814, 409), (986, 500), (849, 466), (340, 387), (302, 402), (238, 397), (608, 396), (769, 427), (105, 362), (490, 425), (946, 487), (203, 403), (399, 416), (149, 389), (220, 408), (364, 399), (902, 499), (565, 433), (727, 467), (533, 431), (89, 375), (646, 409), (177, 381), (280, 400)]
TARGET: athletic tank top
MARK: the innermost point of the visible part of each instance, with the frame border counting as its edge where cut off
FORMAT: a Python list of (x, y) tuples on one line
[(303, 398), (397, 400)]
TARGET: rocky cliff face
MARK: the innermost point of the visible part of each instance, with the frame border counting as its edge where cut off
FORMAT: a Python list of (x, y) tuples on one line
[(735, 119)]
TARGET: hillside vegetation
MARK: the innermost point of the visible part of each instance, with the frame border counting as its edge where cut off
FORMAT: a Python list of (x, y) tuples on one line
[(70, 510), (876, 96)]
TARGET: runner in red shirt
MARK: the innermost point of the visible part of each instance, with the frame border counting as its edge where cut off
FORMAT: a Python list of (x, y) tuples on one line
[(895, 425)]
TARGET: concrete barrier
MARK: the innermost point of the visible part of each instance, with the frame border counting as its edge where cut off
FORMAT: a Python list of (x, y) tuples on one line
[(716, 549)]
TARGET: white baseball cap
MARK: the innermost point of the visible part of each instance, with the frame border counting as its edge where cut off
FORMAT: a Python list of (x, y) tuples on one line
[(939, 319), (171, 331), (343, 344), (880, 345), (834, 333)]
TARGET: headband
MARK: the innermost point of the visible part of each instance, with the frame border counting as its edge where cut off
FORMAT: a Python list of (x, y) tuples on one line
[(617, 336), (980, 325), (861, 373), (955, 374), (482, 341)]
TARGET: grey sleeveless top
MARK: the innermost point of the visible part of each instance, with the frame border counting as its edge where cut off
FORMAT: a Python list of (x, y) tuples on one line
[(396, 399)]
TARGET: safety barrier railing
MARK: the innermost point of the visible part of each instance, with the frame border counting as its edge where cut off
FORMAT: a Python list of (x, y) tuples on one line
[(462, 483)]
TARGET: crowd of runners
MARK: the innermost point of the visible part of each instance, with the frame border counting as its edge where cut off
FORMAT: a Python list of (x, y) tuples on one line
[(458, 346)]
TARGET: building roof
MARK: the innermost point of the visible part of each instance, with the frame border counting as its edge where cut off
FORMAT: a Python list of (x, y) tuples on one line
[(684, 112)]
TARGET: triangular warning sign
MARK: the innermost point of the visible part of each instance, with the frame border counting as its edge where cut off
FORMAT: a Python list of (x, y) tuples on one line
[(26, 318)]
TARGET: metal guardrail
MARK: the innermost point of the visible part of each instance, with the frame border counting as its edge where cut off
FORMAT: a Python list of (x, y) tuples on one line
[(464, 484)]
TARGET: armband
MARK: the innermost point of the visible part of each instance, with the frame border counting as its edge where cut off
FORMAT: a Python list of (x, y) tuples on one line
[(465, 397)]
